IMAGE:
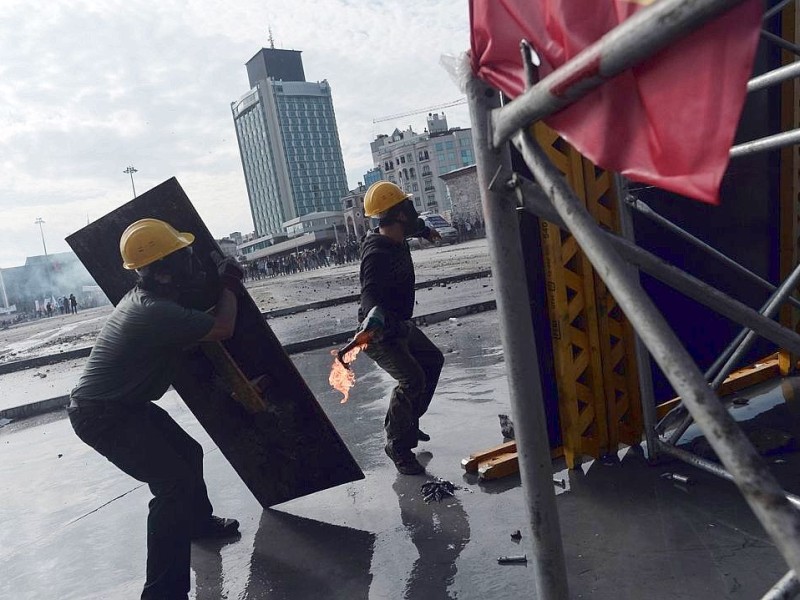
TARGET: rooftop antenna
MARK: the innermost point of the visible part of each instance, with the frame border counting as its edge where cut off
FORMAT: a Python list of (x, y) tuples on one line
[(271, 39)]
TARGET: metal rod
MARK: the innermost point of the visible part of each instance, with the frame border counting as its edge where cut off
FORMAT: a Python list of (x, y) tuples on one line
[(774, 77), (536, 202), (780, 42), (646, 393), (735, 351), (633, 41), (787, 588), (765, 144), (776, 9), (519, 345), (711, 467), (774, 303), (759, 488), (644, 209)]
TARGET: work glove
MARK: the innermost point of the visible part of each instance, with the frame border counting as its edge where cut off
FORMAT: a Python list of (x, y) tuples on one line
[(230, 273)]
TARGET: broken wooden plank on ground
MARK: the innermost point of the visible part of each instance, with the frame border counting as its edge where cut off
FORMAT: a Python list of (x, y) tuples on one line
[(286, 449), (498, 461)]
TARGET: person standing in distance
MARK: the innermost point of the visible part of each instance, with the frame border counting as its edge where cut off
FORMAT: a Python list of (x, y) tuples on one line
[(402, 350), (130, 366)]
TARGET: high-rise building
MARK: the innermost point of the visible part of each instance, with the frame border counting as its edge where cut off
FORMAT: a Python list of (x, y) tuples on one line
[(415, 161), (288, 141)]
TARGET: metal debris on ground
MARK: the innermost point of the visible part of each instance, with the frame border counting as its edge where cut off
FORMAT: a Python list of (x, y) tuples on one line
[(438, 489), (677, 477), (516, 536), (506, 427), (511, 560)]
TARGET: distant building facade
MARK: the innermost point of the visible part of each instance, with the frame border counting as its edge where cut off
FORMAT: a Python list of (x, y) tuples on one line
[(45, 278), (372, 176), (309, 231), (416, 161), (356, 224), (464, 193), (288, 142)]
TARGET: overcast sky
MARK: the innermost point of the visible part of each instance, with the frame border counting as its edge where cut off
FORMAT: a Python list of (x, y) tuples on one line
[(88, 88)]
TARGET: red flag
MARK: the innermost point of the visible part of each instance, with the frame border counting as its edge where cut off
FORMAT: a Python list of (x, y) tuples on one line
[(669, 122)]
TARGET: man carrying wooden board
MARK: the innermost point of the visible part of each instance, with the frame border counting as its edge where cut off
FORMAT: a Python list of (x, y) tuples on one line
[(131, 365)]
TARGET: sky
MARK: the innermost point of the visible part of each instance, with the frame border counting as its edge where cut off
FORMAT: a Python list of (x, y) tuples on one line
[(90, 87)]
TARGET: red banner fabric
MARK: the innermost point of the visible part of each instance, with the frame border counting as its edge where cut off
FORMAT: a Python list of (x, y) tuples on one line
[(669, 122)]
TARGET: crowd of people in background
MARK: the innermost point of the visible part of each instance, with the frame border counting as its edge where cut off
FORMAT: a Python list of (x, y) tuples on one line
[(48, 307), (64, 305), (469, 228), (305, 260)]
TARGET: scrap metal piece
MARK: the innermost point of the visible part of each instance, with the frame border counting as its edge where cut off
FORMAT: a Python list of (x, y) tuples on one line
[(512, 560), (438, 489)]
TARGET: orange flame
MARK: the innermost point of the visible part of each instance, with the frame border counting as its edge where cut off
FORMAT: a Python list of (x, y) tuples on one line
[(342, 378)]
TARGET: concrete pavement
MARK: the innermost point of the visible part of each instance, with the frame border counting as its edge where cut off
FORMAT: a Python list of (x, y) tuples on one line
[(74, 526)]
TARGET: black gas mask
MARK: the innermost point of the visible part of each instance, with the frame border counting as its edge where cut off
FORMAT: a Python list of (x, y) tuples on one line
[(412, 224), (185, 270)]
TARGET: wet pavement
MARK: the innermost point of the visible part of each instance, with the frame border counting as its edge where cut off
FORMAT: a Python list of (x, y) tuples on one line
[(54, 380), (74, 526)]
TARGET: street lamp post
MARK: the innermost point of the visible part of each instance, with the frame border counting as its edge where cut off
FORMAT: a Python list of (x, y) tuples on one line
[(39, 221), (131, 171)]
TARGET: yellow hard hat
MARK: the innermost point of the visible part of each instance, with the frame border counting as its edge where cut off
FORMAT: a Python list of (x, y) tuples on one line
[(381, 196), (149, 240)]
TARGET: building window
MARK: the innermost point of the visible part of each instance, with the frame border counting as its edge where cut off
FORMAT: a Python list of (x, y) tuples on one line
[(439, 146), (401, 159), (449, 144), (412, 173), (415, 187)]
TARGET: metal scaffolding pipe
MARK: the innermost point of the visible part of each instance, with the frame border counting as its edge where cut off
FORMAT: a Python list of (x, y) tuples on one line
[(759, 488), (644, 209), (776, 9), (773, 304), (780, 42), (737, 350), (710, 466), (765, 144), (774, 77), (787, 588), (638, 38), (645, 375), (519, 347), (536, 202)]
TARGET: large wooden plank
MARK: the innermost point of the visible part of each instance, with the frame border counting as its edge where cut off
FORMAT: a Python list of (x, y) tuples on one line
[(288, 450)]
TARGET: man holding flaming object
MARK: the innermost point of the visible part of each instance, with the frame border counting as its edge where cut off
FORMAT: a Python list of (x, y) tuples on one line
[(399, 348)]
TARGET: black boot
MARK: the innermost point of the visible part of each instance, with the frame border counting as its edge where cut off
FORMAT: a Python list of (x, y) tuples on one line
[(215, 528), (405, 461)]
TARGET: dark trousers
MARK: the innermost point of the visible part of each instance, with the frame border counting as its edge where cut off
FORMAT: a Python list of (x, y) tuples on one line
[(149, 446), (415, 362)]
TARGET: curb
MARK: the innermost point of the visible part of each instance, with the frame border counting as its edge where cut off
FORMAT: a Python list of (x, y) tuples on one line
[(40, 361), (59, 402), (282, 312)]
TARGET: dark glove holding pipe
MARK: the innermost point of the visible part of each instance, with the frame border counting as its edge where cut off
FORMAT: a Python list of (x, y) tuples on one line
[(230, 273)]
